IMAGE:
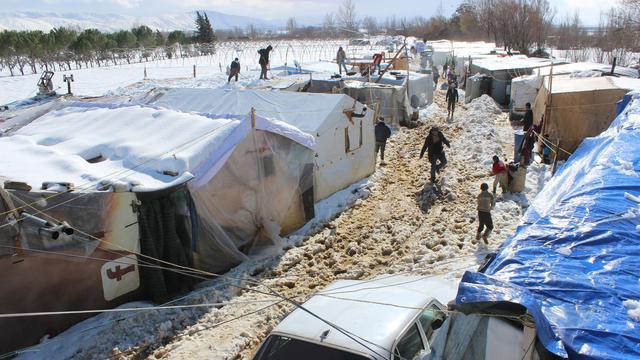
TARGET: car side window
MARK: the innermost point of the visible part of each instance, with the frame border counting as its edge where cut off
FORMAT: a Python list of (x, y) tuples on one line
[(409, 345), (431, 319)]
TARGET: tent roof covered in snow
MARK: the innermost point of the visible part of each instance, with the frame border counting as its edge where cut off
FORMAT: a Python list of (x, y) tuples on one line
[(306, 111), (142, 148), (574, 263), (514, 62)]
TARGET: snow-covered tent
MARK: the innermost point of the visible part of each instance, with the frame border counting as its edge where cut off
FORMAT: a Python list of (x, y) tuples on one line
[(392, 100), (344, 141), (195, 190), (420, 85), (503, 69), (577, 108), (573, 264)]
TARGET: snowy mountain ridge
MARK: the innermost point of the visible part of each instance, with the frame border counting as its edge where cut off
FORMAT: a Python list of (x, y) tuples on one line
[(45, 21)]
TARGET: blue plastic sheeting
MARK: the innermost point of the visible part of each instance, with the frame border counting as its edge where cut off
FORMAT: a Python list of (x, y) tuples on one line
[(576, 258)]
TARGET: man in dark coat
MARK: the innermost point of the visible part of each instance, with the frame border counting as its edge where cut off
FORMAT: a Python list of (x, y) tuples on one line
[(382, 134), (264, 61), (234, 70), (528, 118), (433, 144), (451, 98)]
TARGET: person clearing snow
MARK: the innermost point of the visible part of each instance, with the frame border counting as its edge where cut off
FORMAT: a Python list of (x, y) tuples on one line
[(499, 169), (234, 71), (264, 61), (486, 202), (433, 144)]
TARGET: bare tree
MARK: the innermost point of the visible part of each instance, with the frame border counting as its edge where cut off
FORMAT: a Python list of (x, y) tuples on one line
[(329, 24), (292, 26), (370, 24), (347, 17)]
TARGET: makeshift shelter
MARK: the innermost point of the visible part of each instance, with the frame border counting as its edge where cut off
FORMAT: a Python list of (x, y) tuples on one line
[(577, 108), (502, 70), (342, 129), (420, 86), (391, 100), (135, 182), (573, 264)]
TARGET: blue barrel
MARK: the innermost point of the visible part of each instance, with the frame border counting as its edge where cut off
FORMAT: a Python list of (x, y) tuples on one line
[(518, 138)]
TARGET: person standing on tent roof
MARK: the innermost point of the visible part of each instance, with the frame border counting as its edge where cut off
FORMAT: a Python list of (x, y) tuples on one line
[(486, 203), (501, 173), (433, 144), (451, 98), (341, 58), (527, 122), (234, 70), (382, 132), (264, 61)]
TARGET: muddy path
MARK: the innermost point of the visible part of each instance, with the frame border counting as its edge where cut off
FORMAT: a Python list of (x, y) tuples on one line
[(403, 226)]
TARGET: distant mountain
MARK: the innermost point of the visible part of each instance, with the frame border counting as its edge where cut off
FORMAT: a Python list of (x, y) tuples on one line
[(45, 21)]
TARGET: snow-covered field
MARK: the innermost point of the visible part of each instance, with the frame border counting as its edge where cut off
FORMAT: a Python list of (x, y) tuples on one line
[(390, 223), (210, 70)]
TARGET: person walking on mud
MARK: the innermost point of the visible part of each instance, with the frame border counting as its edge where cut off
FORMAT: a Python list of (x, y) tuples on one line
[(234, 70), (264, 61), (451, 98), (341, 58), (486, 203), (433, 145), (382, 133)]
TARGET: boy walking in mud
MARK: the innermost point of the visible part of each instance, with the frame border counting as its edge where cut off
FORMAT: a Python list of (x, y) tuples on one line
[(485, 205), (434, 145)]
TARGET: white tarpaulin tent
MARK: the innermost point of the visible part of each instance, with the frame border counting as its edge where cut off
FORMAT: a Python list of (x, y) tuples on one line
[(249, 178), (420, 85), (344, 144)]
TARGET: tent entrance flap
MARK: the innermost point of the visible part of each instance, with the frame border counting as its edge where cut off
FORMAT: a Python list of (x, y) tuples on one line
[(263, 190)]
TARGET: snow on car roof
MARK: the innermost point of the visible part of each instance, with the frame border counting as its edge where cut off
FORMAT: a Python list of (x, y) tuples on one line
[(377, 311)]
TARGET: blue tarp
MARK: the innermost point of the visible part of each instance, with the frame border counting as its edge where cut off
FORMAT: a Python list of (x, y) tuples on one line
[(576, 258)]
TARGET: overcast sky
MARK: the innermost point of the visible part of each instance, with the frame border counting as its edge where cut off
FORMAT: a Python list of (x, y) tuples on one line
[(281, 9)]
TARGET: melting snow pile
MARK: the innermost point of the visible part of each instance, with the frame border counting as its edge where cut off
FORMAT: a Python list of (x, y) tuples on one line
[(484, 104)]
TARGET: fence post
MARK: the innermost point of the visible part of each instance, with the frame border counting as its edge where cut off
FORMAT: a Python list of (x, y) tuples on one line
[(145, 72), (194, 71)]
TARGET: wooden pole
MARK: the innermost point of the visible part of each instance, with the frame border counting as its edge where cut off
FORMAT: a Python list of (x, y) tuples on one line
[(390, 63), (253, 118), (194, 71), (555, 159)]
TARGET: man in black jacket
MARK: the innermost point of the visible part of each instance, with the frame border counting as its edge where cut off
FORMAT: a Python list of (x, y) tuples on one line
[(264, 61), (382, 134), (433, 144), (528, 118), (234, 70), (451, 98)]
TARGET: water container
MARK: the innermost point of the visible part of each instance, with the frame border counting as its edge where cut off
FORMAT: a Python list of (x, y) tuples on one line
[(518, 139)]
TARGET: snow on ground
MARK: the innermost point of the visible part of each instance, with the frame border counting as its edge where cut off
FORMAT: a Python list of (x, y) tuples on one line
[(391, 223), (633, 309), (210, 70)]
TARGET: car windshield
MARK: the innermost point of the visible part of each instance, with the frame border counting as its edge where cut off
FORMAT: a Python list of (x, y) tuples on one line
[(278, 347)]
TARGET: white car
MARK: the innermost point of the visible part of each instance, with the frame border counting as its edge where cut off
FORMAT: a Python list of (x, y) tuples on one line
[(394, 317)]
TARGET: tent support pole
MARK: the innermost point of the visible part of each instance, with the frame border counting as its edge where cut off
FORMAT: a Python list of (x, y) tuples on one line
[(555, 158)]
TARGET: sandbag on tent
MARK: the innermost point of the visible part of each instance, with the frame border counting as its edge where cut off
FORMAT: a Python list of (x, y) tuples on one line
[(574, 263)]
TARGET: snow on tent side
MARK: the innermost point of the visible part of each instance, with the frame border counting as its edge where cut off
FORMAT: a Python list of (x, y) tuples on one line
[(117, 175), (576, 108), (344, 141), (574, 263)]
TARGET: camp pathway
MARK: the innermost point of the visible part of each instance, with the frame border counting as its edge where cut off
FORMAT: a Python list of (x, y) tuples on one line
[(401, 227)]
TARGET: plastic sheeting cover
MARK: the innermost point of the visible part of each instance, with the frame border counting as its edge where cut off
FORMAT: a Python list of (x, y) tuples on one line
[(574, 263)]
